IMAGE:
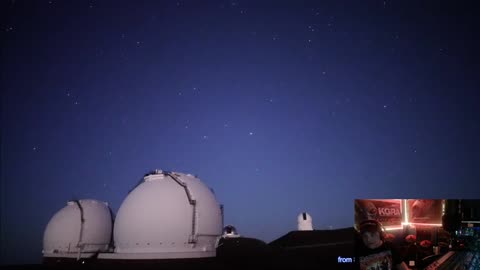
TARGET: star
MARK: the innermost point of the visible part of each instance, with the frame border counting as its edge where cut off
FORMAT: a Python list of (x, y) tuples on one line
[(385, 106), (251, 133)]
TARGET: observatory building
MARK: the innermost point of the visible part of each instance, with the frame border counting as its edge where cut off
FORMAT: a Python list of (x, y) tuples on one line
[(304, 221), (230, 231), (82, 228), (173, 220), (168, 215)]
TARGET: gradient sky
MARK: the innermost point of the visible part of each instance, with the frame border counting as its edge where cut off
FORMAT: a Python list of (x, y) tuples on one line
[(280, 107)]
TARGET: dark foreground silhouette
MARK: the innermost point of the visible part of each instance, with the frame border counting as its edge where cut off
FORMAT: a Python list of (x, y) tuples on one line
[(295, 250)]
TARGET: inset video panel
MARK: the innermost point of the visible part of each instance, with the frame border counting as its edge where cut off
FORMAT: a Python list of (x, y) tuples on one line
[(417, 233)]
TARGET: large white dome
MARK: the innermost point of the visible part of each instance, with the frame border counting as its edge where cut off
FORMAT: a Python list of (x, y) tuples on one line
[(81, 226), (168, 213)]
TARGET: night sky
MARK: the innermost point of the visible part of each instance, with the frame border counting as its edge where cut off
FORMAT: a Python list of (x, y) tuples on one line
[(280, 107)]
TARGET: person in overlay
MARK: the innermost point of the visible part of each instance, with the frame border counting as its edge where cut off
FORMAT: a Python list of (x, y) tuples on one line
[(373, 252)]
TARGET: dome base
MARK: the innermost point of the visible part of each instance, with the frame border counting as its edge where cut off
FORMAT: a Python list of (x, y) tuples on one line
[(156, 256)]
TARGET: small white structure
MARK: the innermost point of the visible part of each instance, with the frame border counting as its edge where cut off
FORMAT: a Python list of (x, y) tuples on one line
[(230, 232), (167, 215), (83, 226), (304, 222)]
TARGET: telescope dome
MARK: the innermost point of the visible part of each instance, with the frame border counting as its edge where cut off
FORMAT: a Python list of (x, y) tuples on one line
[(82, 226), (304, 222), (168, 215)]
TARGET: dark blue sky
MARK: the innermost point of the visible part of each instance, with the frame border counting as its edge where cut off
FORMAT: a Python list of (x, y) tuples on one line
[(280, 107)]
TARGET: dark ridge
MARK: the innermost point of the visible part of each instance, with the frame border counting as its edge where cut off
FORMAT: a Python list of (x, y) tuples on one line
[(299, 239)]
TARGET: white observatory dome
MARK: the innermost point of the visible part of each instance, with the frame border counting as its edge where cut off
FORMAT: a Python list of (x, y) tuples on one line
[(83, 226), (304, 222), (168, 215)]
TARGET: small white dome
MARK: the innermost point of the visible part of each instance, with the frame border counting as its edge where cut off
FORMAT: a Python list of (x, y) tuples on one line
[(304, 222), (82, 225), (168, 212), (230, 231)]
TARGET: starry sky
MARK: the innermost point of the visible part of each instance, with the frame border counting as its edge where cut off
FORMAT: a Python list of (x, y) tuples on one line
[(280, 107)]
